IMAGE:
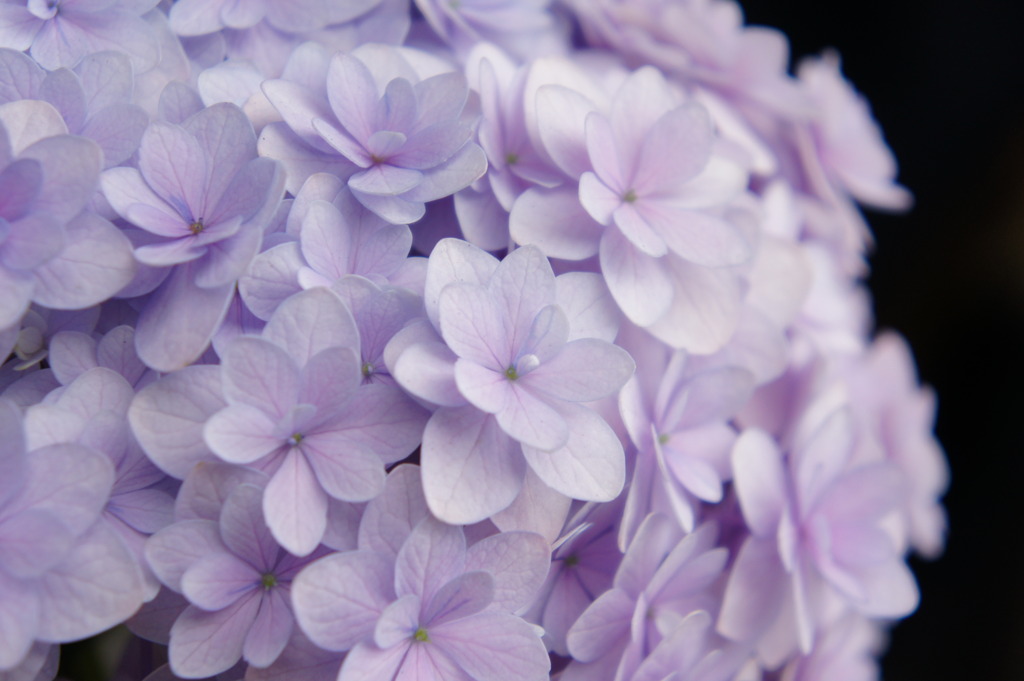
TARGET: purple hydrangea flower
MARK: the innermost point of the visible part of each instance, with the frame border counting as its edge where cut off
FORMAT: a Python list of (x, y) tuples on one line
[(583, 565), (817, 541), (297, 409), (658, 244), (415, 600), (94, 99), (663, 577), (510, 374), (91, 411), (676, 412), (201, 190), (337, 237), (847, 146), (892, 406), (705, 42), (52, 250), (237, 580), (63, 576), (525, 28), (407, 137), (60, 32)]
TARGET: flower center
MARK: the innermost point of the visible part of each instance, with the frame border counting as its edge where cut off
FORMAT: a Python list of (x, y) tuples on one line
[(296, 438), (511, 158), (421, 635), (268, 580), (522, 366), (367, 369), (663, 438), (197, 226), (572, 560), (630, 196)]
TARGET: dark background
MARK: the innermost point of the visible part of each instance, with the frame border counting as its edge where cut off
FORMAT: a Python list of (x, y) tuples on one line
[(946, 82)]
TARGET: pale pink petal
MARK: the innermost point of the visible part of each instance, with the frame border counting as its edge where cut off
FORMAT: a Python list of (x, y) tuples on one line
[(175, 166), (380, 418), (168, 418), (822, 456), (485, 388), (338, 599), (584, 371), (71, 166), (33, 543), (519, 563), (19, 619), (270, 630), (561, 116), (472, 326), (329, 380), (389, 518), (451, 261), (633, 224), (675, 149), (590, 466), (555, 221), (598, 199), (601, 626), (173, 549), (433, 554), (640, 284), (207, 643), (471, 468), (701, 238), (463, 596), (243, 529), (295, 505), (309, 322), (97, 586), (272, 277), (367, 662), (261, 375), (755, 591), (179, 320), (493, 646), (427, 370), (398, 622), (353, 95), (759, 477), (705, 307), (537, 508), (349, 472), (216, 581)]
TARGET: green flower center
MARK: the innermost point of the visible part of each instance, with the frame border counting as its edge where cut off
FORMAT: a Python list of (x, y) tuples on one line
[(511, 373), (572, 560), (367, 369), (296, 438), (511, 158), (421, 635), (268, 580), (630, 196), (197, 226), (663, 438)]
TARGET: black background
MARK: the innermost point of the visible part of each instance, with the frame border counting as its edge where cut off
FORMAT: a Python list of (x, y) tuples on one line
[(946, 82)]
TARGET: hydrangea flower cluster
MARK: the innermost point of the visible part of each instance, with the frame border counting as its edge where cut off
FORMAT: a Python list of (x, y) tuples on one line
[(490, 340)]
